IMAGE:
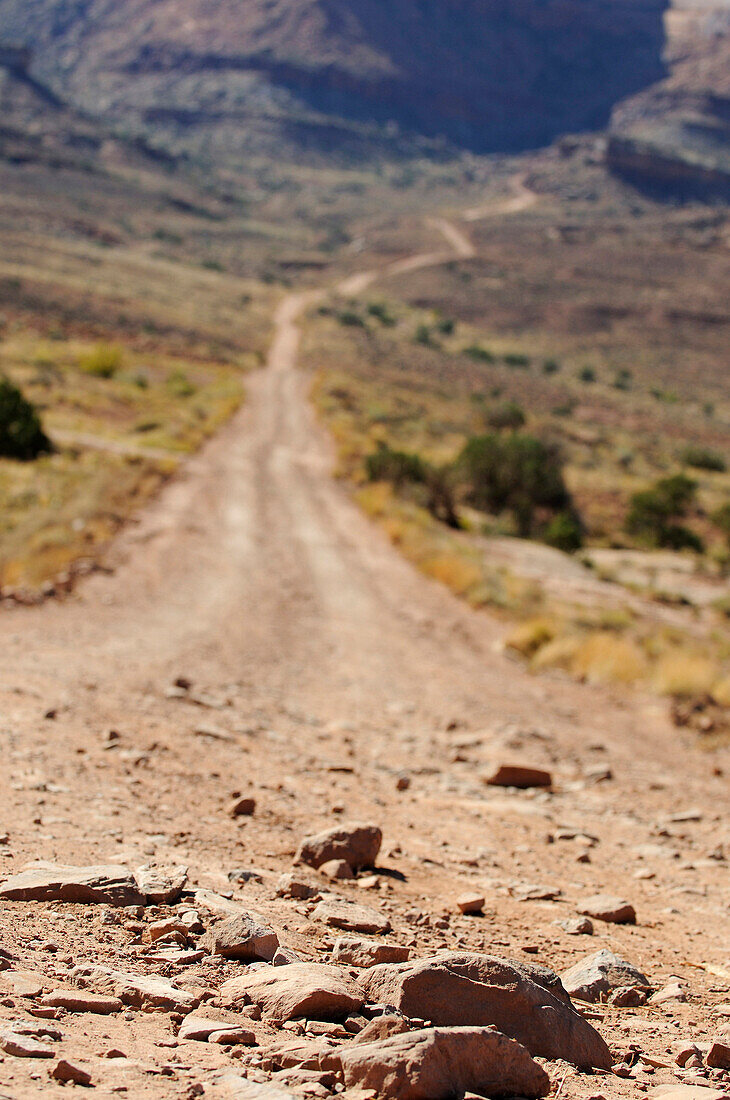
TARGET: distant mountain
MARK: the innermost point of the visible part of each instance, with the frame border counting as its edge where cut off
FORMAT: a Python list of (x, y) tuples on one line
[(228, 78)]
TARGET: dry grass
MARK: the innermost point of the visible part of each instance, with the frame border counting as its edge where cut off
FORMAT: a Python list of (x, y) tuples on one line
[(684, 673)]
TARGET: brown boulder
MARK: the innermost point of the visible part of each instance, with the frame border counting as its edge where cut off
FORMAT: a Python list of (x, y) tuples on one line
[(352, 951), (350, 917), (241, 937), (518, 775), (593, 978), (440, 1063), (527, 1003), (137, 990), (358, 845), (607, 908), (300, 989)]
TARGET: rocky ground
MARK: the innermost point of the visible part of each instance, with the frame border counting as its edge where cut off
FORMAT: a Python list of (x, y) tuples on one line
[(259, 667)]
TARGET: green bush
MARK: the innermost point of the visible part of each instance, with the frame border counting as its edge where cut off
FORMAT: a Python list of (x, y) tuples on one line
[(721, 518), (423, 336), (654, 512), (702, 458), (506, 417), (179, 385), (564, 532), (517, 359), (350, 318), (397, 467), (380, 312), (550, 366), (587, 375), (435, 485), (478, 353), (21, 432), (515, 473)]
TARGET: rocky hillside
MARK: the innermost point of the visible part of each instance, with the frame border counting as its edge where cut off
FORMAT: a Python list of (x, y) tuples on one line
[(674, 138), (231, 78)]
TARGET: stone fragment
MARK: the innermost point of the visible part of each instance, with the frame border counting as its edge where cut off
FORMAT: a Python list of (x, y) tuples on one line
[(472, 904), (136, 990), (594, 977), (293, 885), (382, 1027), (285, 957), (351, 917), (351, 951), (687, 1092), (440, 1063), (74, 1001), (106, 885), (628, 996), (337, 869), (70, 1073), (163, 929), (18, 1044), (23, 983), (607, 908), (161, 886), (202, 1030), (578, 926), (359, 845), (242, 937), (239, 1088), (525, 1002), (243, 807), (718, 1056), (306, 1053), (283, 993), (534, 892), (673, 991), (518, 775)]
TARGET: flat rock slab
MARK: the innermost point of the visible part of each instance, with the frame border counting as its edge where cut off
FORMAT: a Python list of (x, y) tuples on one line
[(607, 908), (527, 1003), (440, 1063), (358, 845), (107, 885), (23, 983), (243, 937), (238, 1088), (284, 993), (352, 951), (351, 917), (201, 1029), (135, 989), (74, 1001), (592, 979), (23, 1040), (687, 1092), (518, 775)]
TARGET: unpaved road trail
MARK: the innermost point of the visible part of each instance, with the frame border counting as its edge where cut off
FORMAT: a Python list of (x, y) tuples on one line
[(323, 668)]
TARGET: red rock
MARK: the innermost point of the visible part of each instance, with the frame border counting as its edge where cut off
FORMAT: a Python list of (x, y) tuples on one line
[(525, 1002), (718, 1056), (337, 869), (350, 951), (241, 937), (74, 1001), (351, 917), (70, 1073), (440, 1063), (284, 993), (607, 908), (243, 807), (519, 775), (136, 989), (359, 845), (107, 885), (471, 904)]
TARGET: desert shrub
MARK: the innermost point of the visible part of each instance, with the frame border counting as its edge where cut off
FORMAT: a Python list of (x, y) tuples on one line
[(446, 326), (684, 674), (531, 636), (703, 458), (622, 379), (587, 375), (350, 318), (603, 657), (380, 312), (478, 353), (21, 431), (564, 532), (517, 359), (721, 519), (179, 385), (423, 336), (653, 514), (550, 366), (397, 467), (515, 473), (103, 362), (506, 417), (435, 484)]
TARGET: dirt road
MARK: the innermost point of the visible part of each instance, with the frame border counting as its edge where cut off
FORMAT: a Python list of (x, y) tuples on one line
[(323, 667)]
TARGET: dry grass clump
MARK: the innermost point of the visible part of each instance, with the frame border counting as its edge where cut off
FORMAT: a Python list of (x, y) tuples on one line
[(607, 658), (457, 573), (530, 637), (684, 673)]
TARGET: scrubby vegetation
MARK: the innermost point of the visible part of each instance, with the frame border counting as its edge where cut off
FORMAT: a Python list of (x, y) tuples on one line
[(654, 514), (21, 432)]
